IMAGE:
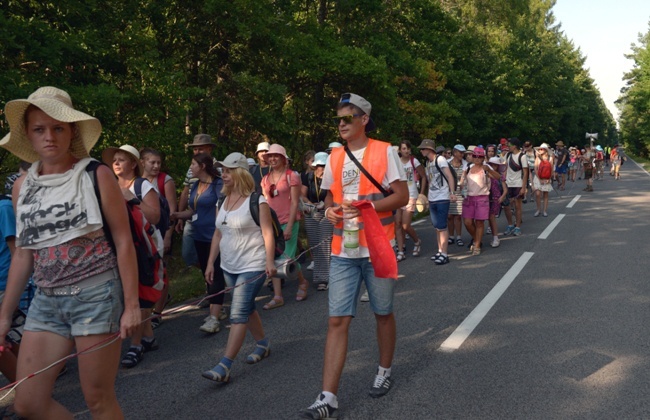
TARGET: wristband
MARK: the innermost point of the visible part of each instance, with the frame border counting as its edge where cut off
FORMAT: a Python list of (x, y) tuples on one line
[(326, 211)]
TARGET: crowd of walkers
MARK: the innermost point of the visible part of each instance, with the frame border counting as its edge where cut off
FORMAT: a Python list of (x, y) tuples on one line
[(67, 234)]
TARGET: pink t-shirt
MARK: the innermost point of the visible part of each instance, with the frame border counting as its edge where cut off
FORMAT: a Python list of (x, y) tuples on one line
[(281, 202)]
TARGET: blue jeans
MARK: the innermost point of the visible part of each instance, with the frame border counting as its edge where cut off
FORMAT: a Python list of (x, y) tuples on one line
[(346, 276), (439, 210), (243, 297), (188, 251)]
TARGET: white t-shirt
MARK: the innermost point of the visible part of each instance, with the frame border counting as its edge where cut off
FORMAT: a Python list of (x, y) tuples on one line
[(438, 186), (242, 244), (155, 184), (146, 187), (409, 170), (514, 179), (351, 176)]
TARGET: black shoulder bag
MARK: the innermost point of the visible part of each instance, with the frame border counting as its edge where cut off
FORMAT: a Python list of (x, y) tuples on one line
[(367, 174)]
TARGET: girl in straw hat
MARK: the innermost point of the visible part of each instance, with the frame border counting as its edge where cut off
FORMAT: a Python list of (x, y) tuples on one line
[(83, 298)]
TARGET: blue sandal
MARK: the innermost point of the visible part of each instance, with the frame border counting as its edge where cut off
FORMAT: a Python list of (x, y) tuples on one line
[(260, 352), (219, 373)]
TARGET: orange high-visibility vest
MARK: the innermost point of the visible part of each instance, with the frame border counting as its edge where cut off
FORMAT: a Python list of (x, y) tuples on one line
[(375, 161)]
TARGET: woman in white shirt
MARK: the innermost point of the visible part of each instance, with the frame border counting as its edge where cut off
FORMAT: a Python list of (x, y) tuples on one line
[(415, 177), (247, 260)]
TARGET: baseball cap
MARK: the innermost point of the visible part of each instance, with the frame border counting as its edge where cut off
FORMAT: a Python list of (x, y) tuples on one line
[(514, 141), (233, 161), (361, 103)]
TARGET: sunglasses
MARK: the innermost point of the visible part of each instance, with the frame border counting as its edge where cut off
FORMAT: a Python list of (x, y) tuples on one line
[(345, 118), (478, 157)]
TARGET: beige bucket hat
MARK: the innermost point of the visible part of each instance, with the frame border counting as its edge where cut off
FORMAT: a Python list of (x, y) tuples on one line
[(57, 104)]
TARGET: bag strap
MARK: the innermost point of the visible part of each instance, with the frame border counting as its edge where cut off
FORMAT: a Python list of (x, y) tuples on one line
[(366, 173), (137, 186), (161, 184)]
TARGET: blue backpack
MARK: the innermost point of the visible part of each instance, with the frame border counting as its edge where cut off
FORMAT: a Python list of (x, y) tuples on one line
[(164, 222)]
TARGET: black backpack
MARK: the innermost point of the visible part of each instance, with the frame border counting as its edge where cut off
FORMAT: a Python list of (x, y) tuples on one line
[(164, 222), (442, 174), (255, 213)]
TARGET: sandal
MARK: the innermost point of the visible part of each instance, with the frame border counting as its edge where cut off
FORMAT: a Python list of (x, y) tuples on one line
[(416, 248), (132, 357), (219, 373), (450, 241), (435, 257), (460, 242), (276, 302), (322, 287), (260, 352), (441, 260), (400, 256), (302, 292)]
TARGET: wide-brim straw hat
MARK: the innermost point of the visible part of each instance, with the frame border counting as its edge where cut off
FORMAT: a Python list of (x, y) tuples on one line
[(57, 104), (109, 153), (422, 203), (544, 146)]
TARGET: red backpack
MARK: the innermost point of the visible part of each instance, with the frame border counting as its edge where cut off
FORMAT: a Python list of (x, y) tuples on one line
[(544, 170), (147, 241)]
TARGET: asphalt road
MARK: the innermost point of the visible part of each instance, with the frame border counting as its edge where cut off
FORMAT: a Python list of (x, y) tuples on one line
[(566, 339)]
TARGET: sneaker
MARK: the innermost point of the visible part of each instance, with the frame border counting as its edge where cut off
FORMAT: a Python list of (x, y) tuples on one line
[(495, 243), (365, 297), (148, 346), (310, 267), (509, 230), (516, 232), (381, 386), (223, 314), (488, 231), (319, 410), (211, 326), (536, 213), (545, 214), (133, 357)]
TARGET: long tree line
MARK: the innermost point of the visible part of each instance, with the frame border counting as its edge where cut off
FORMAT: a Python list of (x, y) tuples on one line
[(156, 72), (634, 102)]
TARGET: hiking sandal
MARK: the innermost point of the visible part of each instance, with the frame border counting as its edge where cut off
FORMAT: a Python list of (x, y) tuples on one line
[(219, 373), (260, 352), (401, 256), (416, 248)]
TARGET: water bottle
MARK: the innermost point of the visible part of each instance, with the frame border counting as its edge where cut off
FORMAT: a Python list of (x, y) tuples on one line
[(351, 237)]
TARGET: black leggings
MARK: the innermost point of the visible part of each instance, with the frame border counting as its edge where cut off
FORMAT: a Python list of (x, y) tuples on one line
[(218, 283)]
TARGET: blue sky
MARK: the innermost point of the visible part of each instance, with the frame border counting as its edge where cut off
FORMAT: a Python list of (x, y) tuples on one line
[(604, 30)]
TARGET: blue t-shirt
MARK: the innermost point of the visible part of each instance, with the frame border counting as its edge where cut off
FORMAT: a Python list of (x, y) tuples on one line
[(205, 209), (7, 230)]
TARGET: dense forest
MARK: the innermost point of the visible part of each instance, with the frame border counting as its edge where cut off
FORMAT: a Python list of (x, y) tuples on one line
[(157, 72), (634, 102)]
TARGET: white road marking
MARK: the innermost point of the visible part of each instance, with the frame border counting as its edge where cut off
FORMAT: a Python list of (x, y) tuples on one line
[(549, 228), (458, 337), (575, 200)]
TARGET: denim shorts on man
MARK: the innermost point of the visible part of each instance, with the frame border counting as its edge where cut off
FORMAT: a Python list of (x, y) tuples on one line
[(439, 210), (247, 287), (346, 276), (94, 310)]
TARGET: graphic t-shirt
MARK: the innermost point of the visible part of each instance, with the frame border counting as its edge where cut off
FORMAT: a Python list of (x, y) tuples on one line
[(438, 184), (410, 168)]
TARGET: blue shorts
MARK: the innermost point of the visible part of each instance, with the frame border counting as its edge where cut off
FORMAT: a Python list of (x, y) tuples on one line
[(95, 310), (243, 297), (439, 210), (562, 169), (346, 276)]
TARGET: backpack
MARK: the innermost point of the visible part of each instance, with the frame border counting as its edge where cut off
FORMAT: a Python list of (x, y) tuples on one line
[(164, 222), (443, 177), (278, 234), (544, 169), (147, 241), (416, 175), (512, 165)]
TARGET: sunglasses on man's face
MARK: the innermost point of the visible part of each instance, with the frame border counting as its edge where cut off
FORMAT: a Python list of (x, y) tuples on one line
[(347, 119)]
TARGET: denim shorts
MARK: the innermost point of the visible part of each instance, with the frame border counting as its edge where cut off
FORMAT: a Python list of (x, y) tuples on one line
[(243, 297), (95, 310), (346, 276), (439, 210)]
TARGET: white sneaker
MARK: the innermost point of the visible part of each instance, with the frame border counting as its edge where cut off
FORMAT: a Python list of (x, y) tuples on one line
[(310, 266), (495, 242), (211, 326), (365, 297)]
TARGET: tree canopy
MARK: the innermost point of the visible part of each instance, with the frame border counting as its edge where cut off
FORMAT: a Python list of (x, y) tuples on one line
[(158, 72), (634, 102)]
